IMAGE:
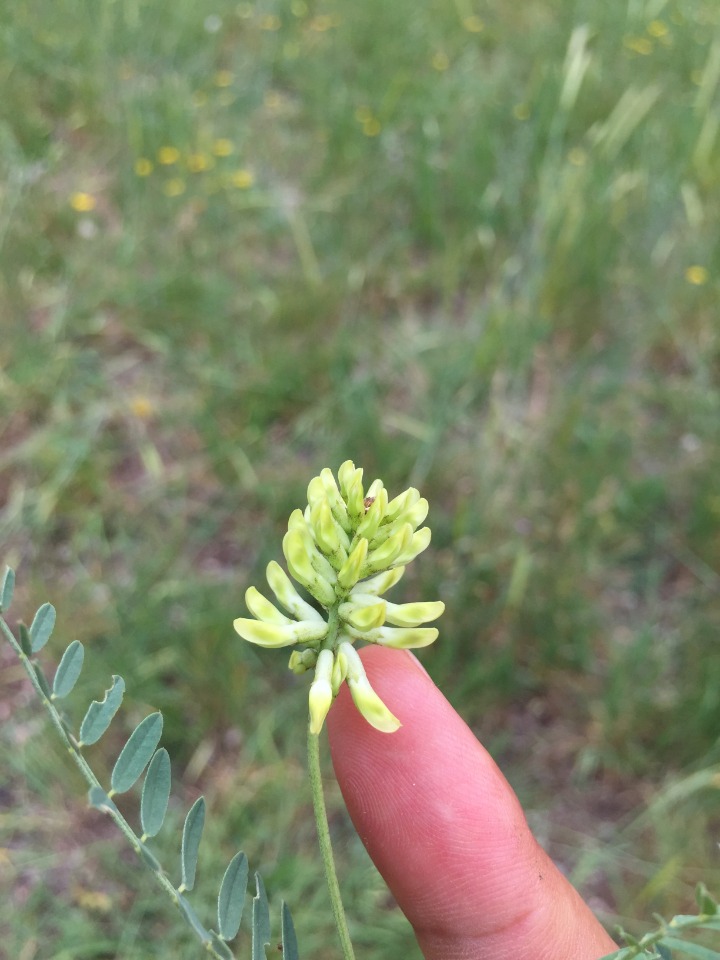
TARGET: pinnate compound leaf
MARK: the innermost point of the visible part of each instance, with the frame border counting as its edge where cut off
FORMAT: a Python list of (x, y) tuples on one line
[(100, 800), (42, 627), (192, 834), (68, 670), (155, 793), (232, 897), (220, 948), (260, 920), (24, 639), (688, 949), (289, 940), (192, 918), (100, 713), (136, 753), (6, 590)]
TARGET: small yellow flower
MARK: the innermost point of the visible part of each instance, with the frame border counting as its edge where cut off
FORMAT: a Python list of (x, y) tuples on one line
[(321, 23), (440, 61), (199, 162), (657, 28), (521, 111), (270, 22), (697, 275), (143, 167), (222, 147), (299, 8), (473, 24), (272, 101), (174, 187), (640, 45), (371, 127), (363, 114), (83, 202), (141, 407), (168, 155), (242, 179), (223, 78)]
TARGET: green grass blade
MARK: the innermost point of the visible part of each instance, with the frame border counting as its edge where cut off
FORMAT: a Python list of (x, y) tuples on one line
[(100, 713), (68, 670), (136, 753), (289, 940), (689, 949), (155, 793), (260, 920), (6, 590), (231, 898), (42, 627), (192, 834)]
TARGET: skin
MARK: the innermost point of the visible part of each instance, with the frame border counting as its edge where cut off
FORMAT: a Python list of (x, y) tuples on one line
[(446, 831)]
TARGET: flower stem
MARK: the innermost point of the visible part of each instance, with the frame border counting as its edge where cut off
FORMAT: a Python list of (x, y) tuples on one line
[(325, 845)]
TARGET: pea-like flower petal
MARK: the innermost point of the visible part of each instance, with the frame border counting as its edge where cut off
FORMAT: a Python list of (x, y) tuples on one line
[(321, 693), (281, 585), (260, 607), (279, 635), (364, 616), (349, 573), (366, 700)]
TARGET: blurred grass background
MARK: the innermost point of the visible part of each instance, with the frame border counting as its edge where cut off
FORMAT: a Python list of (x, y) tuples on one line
[(472, 246)]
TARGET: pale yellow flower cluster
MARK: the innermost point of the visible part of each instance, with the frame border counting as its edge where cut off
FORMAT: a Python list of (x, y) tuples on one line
[(347, 548)]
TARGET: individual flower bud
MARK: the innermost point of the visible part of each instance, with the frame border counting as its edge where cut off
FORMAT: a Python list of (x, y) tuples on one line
[(346, 474), (370, 523), (287, 595), (339, 672), (279, 635), (315, 491), (327, 533), (356, 500), (404, 500), (301, 567), (399, 638), (381, 558), (413, 614), (337, 504), (261, 608), (321, 694), (363, 617), (419, 542), (349, 573), (366, 700), (302, 660), (382, 582)]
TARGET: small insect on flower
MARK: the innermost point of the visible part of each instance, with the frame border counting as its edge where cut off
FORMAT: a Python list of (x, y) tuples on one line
[(346, 548)]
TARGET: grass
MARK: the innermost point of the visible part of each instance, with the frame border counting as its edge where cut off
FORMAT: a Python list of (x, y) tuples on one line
[(474, 248)]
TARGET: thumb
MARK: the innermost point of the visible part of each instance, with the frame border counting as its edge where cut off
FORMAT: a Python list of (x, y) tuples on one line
[(446, 831)]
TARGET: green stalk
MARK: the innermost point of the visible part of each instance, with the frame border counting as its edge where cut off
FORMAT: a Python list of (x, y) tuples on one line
[(326, 846)]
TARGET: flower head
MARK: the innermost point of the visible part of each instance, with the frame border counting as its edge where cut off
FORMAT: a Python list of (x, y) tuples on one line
[(346, 549)]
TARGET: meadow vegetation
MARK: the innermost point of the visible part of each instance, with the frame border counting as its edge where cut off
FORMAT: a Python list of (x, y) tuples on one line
[(471, 246)]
